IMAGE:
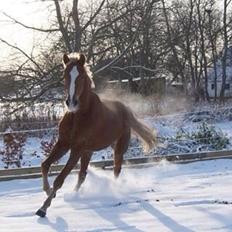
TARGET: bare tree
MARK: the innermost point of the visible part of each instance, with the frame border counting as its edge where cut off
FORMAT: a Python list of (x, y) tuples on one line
[(172, 40), (225, 46), (123, 39)]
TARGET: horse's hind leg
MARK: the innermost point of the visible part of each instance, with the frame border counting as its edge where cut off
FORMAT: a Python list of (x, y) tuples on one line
[(57, 152), (85, 158), (121, 147)]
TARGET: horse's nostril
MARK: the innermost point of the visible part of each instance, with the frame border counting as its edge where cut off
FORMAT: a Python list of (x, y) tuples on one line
[(67, 102), (75, 102)]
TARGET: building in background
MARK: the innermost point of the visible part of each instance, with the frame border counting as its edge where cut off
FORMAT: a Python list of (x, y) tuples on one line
[(219, 68)]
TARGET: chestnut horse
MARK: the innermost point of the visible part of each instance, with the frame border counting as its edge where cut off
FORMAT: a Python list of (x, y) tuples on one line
[(90, 124)]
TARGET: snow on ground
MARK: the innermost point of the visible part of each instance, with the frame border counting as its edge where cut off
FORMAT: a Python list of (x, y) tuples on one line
[(164, 197)]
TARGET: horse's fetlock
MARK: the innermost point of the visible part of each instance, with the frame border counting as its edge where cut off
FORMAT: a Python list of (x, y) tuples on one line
[(82, 175), (48, 191), (117, 171)]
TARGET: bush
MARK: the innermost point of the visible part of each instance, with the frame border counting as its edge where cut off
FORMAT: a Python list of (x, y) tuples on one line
[(206, 134), (12, 154), (48, 144)]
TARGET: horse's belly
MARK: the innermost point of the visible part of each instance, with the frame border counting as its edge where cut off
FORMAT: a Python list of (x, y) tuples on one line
[(97, 144), (105, 137)]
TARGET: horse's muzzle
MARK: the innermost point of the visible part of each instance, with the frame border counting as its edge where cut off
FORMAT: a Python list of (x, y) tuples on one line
[(72, 105)]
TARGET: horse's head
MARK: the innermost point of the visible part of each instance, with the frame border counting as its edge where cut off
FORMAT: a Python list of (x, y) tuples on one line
[(76, 80)]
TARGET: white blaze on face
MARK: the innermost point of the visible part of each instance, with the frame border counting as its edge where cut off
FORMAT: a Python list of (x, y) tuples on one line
[(73, 76)]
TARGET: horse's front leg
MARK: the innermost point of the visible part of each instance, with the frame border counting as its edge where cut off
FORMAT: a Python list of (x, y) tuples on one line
[(57, 152), (85, 158), (73, 159)]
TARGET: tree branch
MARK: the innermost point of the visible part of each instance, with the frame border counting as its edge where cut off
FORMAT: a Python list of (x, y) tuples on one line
[(136, 33), (61, 26), (32, 98), (29, 27), (21, 51), (77, 31), (94, 16), (135, 66)]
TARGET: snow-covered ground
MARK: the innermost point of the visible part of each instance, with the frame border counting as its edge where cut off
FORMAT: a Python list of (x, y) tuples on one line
[(163, 197)]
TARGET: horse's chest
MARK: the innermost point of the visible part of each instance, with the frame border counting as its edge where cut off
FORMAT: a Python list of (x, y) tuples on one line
[(82, 132)]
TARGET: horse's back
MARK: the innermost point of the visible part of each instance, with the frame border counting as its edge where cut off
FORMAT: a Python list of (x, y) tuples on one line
[(116, 109)]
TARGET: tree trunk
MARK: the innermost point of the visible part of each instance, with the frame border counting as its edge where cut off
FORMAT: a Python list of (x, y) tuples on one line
[(224, 58), (203, 51), (77, 30), (172, 46)]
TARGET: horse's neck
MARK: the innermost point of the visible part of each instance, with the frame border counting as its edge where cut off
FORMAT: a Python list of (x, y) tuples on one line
[(86, 99), (88, 103)]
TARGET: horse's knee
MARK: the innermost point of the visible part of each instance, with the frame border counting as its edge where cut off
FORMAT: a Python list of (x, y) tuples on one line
[(45, 166), (49, 191)]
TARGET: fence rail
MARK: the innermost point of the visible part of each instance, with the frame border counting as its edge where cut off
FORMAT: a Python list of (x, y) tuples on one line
[(34, 172)]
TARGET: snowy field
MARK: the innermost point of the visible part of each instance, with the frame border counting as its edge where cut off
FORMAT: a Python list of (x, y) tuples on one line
[(164, 197)]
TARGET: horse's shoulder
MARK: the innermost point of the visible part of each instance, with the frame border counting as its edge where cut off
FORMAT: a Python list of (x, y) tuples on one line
[(66, 120)]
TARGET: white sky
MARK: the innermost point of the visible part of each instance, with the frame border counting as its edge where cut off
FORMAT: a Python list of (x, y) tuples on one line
[(31, 12), (36, 13)]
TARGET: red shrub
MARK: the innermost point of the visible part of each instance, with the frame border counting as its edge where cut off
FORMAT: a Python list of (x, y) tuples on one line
[(12, 153)]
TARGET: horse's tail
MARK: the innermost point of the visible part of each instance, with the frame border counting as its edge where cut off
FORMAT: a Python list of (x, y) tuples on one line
[(143, 132)]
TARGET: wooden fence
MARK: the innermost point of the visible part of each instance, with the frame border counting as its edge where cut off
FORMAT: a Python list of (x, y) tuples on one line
[(34, 172)]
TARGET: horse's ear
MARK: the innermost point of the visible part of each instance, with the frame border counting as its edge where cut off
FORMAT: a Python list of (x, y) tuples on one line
[(65, 59), (82, 59)]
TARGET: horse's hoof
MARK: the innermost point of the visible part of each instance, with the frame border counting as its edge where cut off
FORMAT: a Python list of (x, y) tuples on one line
[(76, 188), (41, 213)]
